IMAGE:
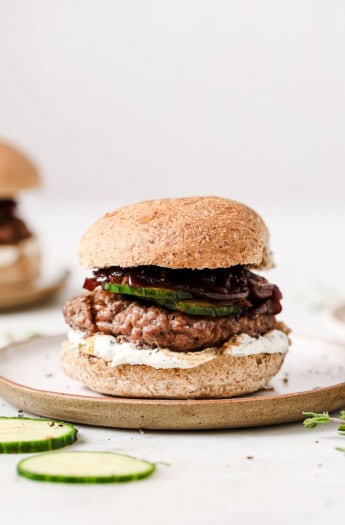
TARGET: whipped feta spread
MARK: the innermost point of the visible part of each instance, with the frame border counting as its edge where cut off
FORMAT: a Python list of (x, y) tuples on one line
[(106, 347), (11, 253)]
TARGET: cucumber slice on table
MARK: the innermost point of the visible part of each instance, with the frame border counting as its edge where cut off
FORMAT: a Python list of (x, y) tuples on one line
[(84, 467), (23, 434), (148, 293), (195, 307)]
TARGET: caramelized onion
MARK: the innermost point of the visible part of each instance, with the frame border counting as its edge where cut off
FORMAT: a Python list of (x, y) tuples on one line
[(226, 286)]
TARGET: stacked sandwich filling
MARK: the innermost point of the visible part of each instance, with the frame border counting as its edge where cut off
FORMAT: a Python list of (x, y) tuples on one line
[(19, 251), (12, 228), (176, 311)]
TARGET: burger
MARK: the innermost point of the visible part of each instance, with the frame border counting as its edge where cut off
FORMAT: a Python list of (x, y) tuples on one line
[(19, 252), (173, 308)]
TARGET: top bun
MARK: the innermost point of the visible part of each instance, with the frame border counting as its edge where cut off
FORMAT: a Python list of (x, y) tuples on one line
[(17, 172), (191, 232)]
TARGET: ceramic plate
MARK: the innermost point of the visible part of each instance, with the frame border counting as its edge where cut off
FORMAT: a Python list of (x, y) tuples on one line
[(312, 379)]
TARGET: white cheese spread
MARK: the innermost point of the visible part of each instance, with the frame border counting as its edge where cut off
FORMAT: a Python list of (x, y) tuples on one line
[(11, 253), (106, 347)]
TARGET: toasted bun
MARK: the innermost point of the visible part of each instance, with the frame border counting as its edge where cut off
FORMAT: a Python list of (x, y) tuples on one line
[(191, 232), (17, 172), (24, 269), (224, 376)]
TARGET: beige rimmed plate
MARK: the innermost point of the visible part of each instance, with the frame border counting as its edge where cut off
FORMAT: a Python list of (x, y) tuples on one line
[(44, 287), (335, 318), (312, 379)]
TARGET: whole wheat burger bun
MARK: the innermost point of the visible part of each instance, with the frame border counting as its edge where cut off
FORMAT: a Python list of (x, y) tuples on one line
[(224, 376), (190, 232), (17, 172)]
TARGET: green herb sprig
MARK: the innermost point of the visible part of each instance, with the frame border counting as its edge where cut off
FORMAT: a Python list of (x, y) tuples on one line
[(314, 420)]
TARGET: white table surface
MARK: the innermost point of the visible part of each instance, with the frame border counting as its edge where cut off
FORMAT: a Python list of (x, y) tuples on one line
[(295, 476)]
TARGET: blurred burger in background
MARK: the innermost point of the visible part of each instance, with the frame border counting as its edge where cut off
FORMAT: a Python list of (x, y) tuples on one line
[(19, 250)]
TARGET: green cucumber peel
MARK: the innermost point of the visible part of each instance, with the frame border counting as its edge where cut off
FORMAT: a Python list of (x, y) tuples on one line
[(84, 467), (175, 300), (23, 435), (146, 293), (200, 308)]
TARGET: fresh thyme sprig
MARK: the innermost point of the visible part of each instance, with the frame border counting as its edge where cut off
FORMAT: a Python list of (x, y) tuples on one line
[(314, 420)]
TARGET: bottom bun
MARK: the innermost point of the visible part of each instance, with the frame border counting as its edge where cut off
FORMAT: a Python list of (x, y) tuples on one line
[(24, 268), (224, 376)]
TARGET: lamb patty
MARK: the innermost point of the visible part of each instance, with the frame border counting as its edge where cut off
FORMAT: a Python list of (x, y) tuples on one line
[(151, 326)]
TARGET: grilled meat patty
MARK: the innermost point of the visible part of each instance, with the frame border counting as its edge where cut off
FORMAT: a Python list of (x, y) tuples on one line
[(147, 325)]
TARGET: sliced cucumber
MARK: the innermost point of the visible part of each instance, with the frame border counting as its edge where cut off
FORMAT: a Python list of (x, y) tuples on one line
[(175, 300), (148, 293), (84, 467), (23, 434), (195, 307)]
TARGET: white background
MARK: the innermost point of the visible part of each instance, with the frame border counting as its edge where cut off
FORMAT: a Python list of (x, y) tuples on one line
[(122, 101), (137, 99)]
